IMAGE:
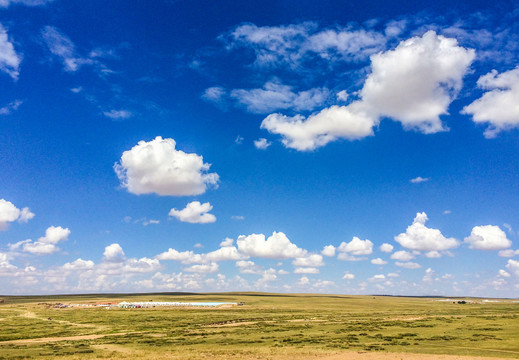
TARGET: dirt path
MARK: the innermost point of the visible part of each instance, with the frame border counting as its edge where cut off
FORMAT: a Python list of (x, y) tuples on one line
[(64, 338)]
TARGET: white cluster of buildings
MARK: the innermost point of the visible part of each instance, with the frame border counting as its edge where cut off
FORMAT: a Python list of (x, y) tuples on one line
[(150, 304)]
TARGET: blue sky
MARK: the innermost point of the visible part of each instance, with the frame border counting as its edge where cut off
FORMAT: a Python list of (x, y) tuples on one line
[(336, 147)]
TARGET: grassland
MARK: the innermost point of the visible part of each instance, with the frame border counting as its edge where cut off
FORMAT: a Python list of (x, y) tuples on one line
[(268, 326)]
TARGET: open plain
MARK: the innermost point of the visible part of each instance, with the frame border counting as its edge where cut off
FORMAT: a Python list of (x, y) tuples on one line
[(266, 326)]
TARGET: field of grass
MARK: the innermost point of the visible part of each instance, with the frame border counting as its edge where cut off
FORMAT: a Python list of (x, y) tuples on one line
[(272, 326)]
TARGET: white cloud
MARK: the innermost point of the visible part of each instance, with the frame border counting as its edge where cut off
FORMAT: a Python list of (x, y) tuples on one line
[(114, 253), (402, 255), (378, 261), (185, 257), (214, 94), (408, 265), (203, 269), (194, 213), (267, 277), (227, 242), (277, 246), (6, 3), (421, 238), (150, 222), (63, 48), (378, 277), (118, 114), (503, 273), (223, 254), (79, 264), (429, 275), (499, 105), (348, 122), (416, 82), (488, 237), (9, 59), (418, 180), (508, 253), (385, 247), (248, 267), (328, 250), (513, 267), (356, 247), (433, 254), (312, 260), (238, 217), (413, 84), (306, 270), (303, 280), (47, 244), (342, 95), (262, 143), (348, 276), (157, 167), (10, 213), (292, 45), (276, 96), (13, 105)]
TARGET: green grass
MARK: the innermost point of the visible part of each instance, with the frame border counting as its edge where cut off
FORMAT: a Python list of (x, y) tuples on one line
[(273, 325)]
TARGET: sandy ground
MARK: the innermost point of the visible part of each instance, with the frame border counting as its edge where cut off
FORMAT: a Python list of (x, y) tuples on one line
[(64, 338)]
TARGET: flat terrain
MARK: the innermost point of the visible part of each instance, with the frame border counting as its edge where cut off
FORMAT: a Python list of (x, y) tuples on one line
[(267, 326)]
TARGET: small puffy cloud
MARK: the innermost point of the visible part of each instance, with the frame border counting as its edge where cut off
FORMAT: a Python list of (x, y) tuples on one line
[(348, 276), (312, 260), (150, 222), (277, 246), (248, 267), (508, 253), (328, 250), (79, 264), (379, 277), (342, 95), (118, 114), (227, 242), (503, 273), (418, 180), (306, 270), (356, 247), (185, 257), (402, 255), (238, 217), (262, 144), (378, 261), (10, 213), (420, 237), (157, 167), (223, 254), (47, 244), (488, 237), (303, 280), (408, 265), (114, 253), (12, 106), (203, 268), (9, 59), (513, 267), (267, 277), (499, 105), (385, 247), (276, 96), (306, 134), (214, 94), (194, 213), (433, 254)]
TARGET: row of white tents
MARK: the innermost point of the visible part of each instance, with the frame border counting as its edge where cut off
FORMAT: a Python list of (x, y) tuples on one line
[(150, 304)]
